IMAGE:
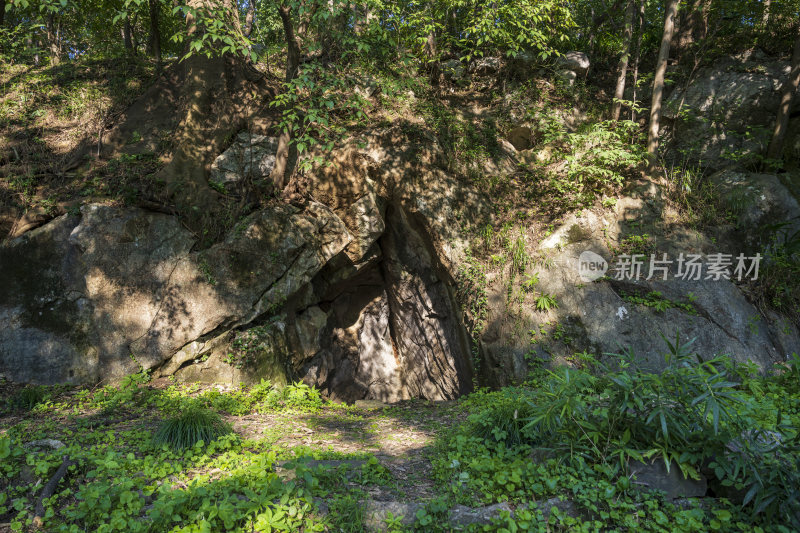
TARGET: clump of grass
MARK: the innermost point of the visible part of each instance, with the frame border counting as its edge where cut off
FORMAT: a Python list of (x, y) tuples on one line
[(191, 426), (346, 514), (28, 398)]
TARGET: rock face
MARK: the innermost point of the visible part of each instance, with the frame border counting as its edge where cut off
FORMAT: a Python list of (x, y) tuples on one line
[(727, 111), (567, 77), (355, 292), (757, 200), (45, 335), (354, 298), (485, 66), (124, 291), (603, 316), (654, 476)]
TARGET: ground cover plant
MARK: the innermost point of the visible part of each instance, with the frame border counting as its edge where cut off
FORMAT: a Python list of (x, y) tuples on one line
[(156, 456)]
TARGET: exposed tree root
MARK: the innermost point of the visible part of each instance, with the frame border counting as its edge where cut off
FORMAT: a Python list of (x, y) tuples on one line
[(50, 489)]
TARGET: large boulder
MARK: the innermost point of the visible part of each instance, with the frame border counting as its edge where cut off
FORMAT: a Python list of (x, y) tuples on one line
[(757, 201), (380, 320), (575, 61), (102, 295), (727, 111)]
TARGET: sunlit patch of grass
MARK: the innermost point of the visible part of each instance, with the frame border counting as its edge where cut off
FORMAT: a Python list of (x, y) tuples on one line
[(193, 425)]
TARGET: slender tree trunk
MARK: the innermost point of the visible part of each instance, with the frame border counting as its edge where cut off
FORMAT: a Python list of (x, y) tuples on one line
[(432, 51), (134, 36), (292, 43), (619, 92), (2, 15), (53, 39), (639, 37), (789, 89), (249, 18), (765, 16), (154, 44), (658, 84), (126, 36), (278, 175)]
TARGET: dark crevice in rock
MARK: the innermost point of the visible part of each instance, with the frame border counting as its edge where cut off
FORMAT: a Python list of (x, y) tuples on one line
[(392, 327)]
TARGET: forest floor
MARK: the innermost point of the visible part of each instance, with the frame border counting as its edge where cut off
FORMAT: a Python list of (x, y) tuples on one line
[(390, 447), (134, 457)]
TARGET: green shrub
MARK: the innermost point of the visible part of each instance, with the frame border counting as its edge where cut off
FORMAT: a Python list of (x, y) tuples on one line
[(191, 426), (301, 396), (632, 413), (28, 397), (503, 417)]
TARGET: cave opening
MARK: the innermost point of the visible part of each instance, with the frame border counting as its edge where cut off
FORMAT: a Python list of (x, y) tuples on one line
[(386, 329)]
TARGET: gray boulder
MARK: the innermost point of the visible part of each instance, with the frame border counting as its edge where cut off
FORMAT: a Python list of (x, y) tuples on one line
[(575, 61), (486, 66), (599, 316), (251, 156), (654, 476), (567, 77), (727, 112), (757, 200)]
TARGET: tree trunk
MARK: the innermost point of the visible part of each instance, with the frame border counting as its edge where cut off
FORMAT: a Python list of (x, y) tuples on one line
[(431, 51), (2, 14), (658, 84), (53, 39), (154, 43), (126, 36), (249, 18), (639, 37), (279, 171), (134, 36), (619, 92), (789, 89), (765, 16), (212, 114)]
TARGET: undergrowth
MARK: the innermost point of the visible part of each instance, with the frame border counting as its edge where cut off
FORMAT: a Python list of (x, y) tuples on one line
[(575, 433)]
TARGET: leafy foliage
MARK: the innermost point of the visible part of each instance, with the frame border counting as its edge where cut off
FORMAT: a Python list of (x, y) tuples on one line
[(28, 397), (583, 427), (601, 154)]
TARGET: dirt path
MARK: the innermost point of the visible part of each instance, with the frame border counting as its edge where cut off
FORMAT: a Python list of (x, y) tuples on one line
[(401, 437)]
